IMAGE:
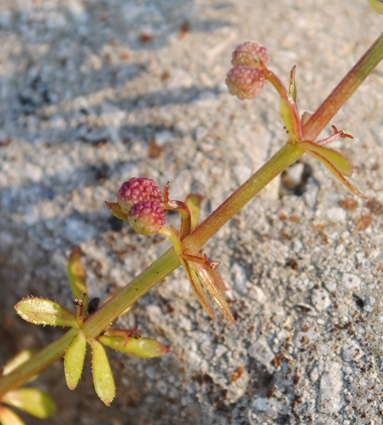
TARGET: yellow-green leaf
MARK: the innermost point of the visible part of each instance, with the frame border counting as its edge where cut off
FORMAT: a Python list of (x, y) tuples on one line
[(115, 209), (287, 110), (193, 201), (74, 360), (337, 164), (341, 163), (7, 417), (377, 5), (32, 401), (293, 85), (17, 360), (141, 347), (41, 311), (102, 374), (76, 274)]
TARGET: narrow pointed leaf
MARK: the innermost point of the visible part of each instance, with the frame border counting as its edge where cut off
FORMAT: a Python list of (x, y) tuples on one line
[(219, 283), (198, 289), (332, 167), (338, 160), (207, 279), (74, 360), (193, 201), (32, 401), (102, 374), (287, 110), (293, 86), (17, 360), (7, 417), (41, 311), (76, 274), (141, 347), (115, 209)]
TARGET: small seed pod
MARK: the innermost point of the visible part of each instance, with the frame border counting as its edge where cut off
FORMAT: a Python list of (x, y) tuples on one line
[(136, 190), (245, 82), (147, 218), (250, 54)]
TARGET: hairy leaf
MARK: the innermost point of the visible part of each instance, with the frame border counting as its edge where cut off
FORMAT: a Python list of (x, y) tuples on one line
[(102, 375), (141, 347), (74, 360), (41, 311)]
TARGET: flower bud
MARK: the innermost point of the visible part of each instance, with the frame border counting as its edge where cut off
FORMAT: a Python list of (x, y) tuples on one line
[(136, 190), (245, 82), (250, 54), (147, 217)]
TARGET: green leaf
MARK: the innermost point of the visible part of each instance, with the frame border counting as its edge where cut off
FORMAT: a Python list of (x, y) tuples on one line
[(76, 274), (7, 417), (32, 401), (193, 201), (102, 375), (293, 86), (74, 360), (17, 360), (141, 347), (41, 311), (377, 5), (334, 161), (292, 125), (342, 164)]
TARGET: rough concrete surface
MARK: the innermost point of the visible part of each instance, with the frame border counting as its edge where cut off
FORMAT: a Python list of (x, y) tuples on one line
[(95, 92)]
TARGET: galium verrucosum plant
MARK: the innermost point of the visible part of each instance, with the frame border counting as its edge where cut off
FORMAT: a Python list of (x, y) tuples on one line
[(94, 323)]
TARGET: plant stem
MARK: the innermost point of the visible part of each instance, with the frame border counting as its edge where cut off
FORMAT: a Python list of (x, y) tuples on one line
[(286, 156), (37, 363), (169, 261), (133, 291), (344, 90)]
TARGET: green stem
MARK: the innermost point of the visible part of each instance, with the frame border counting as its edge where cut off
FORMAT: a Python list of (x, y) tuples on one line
[(286, 156), (344, 90), (169, 261), (133, 291), (37, 363)]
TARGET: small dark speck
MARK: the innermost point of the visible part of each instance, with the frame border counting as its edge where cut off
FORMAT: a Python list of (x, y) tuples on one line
[(115, 223), (358, 301), (292, 263)]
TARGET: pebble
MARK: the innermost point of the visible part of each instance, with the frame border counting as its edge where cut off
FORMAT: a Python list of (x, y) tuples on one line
[(330, 389)]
